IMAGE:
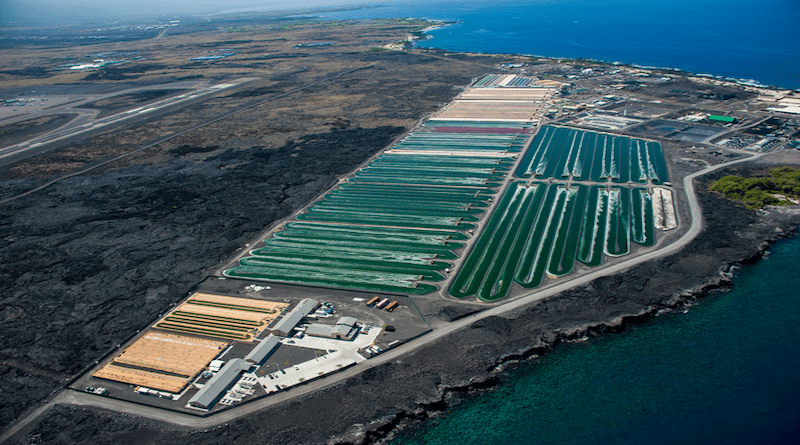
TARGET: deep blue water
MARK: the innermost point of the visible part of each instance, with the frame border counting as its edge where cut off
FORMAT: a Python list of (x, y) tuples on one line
[(748, 39), (725, 372)]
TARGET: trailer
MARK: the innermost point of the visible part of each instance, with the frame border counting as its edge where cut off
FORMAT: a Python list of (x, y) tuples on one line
[(372, 302), (392, 306), (382, 304)]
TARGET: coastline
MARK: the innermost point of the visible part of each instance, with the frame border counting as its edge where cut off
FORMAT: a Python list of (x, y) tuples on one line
[(755, 239), (396, 395), (570, 36), (724, 80)]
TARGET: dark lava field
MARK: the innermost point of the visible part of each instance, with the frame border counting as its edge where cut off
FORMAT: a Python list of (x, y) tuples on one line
[(93, 258), (88, 261)]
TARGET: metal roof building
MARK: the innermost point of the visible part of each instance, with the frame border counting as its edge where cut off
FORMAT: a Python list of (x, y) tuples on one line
[(290, 320), (343, 330), (319, 330), (725, 119), (792, 109), (217, 385), (263, 350), (347, 321)]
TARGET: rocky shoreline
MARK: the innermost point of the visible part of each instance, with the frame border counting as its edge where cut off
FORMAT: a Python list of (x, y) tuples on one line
[(370, 407)]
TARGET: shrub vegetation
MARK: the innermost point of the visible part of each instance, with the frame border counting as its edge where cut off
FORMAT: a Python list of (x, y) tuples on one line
[(782, 183)]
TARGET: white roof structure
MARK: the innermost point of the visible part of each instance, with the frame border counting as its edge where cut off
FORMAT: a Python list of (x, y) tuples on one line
[(342, 331), (347, 321), (791, 109), (290, 320), (217, 385), (263, 349)]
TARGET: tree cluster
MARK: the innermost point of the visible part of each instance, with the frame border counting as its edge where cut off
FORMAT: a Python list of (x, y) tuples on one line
[(782, 183)]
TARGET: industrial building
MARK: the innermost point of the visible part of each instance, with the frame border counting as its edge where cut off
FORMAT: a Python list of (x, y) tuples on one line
[(217, 385), (263, 349), (347, 321), (722, 119), (787, 104), (289, 321), (345, 329)]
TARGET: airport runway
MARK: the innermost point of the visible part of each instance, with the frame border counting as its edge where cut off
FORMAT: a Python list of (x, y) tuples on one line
[(86, 123), (179, 133)]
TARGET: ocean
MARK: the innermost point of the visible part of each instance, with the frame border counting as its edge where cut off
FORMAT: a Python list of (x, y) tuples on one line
[(725, 371), (734, 38)]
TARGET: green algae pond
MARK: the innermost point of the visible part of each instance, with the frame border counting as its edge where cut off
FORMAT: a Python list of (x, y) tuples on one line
[(560, 153), (541, 229), (397, 224)]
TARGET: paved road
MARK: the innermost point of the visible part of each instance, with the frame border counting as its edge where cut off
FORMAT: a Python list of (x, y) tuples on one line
[(186, 420)]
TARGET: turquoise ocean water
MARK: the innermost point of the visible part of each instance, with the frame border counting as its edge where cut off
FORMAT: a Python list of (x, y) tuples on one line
[(725, 372), (748, 39)]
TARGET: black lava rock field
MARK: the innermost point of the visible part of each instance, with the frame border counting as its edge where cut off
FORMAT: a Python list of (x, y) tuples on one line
[(91, 259)]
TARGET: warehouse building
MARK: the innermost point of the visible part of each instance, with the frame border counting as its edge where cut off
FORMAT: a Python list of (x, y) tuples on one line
[(345, 329), (289, 321), (213, 390), (263, 350), (722, 119)]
